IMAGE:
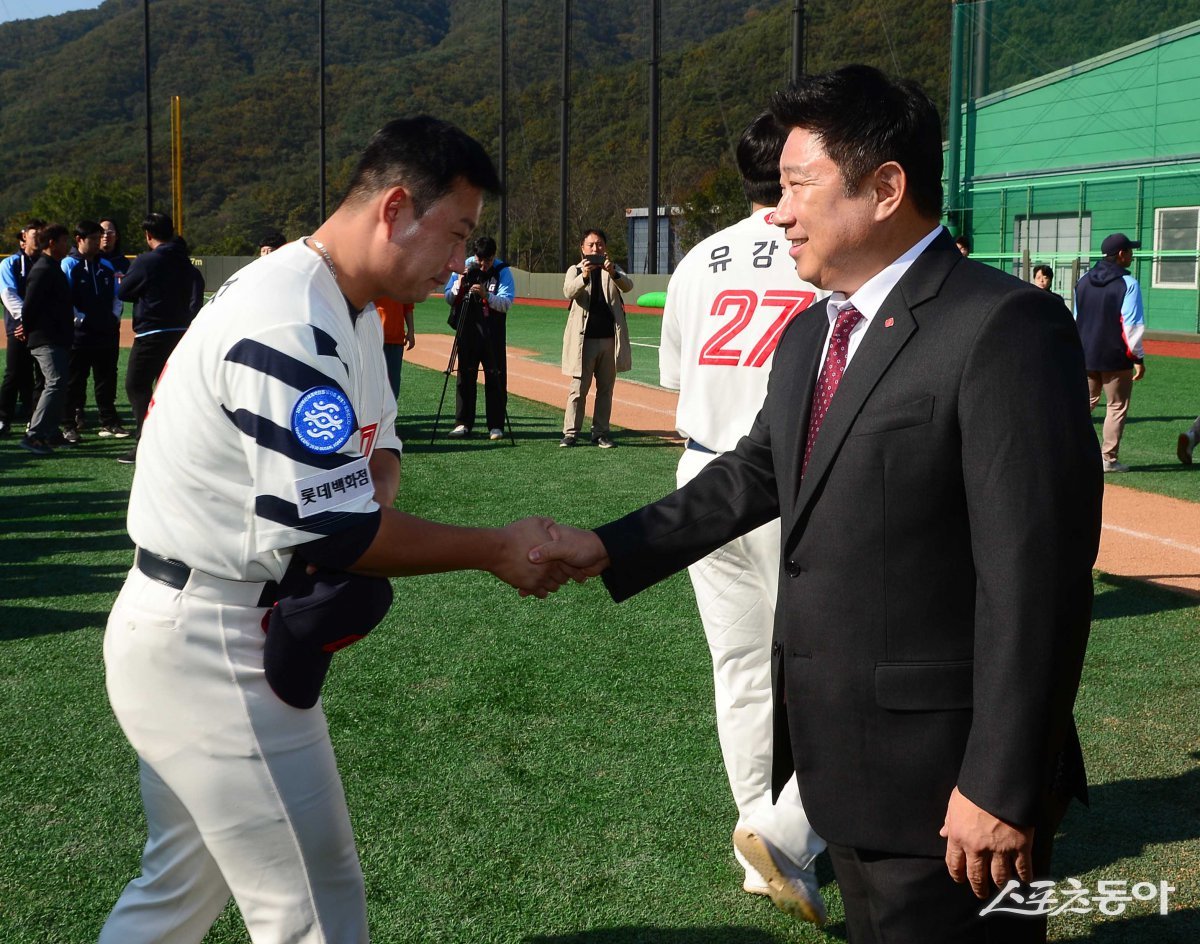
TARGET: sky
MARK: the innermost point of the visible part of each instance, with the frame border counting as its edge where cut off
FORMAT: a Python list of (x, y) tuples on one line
[(32, 9)]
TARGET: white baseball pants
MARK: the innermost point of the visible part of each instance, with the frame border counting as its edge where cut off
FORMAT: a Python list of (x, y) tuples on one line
[(735, 589), (241, 791)]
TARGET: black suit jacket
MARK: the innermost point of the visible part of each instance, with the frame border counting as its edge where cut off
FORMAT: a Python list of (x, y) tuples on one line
[(935, 589)]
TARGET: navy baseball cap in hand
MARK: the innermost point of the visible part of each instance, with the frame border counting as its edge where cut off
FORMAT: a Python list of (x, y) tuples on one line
[(319, 614)]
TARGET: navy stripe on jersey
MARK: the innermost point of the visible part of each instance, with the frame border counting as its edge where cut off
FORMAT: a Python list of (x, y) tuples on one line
[(278, 439), (326, 345), (283, 367), (282, 511)]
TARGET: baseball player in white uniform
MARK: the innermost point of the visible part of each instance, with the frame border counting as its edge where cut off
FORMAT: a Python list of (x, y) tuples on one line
[(727, 304), (271, 434)]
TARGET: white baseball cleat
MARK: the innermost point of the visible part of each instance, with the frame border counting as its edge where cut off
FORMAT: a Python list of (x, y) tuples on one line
[(754, 883), (793, 890)]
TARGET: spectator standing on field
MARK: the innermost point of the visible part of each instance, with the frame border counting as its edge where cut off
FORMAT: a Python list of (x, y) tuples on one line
[(596, 339), (49, 322), (398, 336), (110, 248), (166, 291), (97, 334), (19, 366), (1111, 320), (270, 242)]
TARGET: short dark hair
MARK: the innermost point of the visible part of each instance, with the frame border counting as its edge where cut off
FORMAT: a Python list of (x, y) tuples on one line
[(424, 155), (598, 232), (964, 241), (50, 234), (1042, 269), (274, 239), (35, 224), (864, 119), (159, 226), (86, 228), (758, 159), (484, 247)]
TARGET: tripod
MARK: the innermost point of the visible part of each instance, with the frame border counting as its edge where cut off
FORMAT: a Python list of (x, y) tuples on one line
[(491, 370)]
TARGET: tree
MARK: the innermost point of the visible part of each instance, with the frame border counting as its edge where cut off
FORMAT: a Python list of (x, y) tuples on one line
[(68, 200)]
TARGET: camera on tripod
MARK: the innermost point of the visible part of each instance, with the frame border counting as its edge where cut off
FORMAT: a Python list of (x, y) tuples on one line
[(475, 275)]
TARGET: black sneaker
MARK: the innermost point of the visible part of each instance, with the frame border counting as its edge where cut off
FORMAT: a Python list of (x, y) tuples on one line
[(5, 427), (604, 442), (114, 431), (70, 436), (128, 458), (567, 440), (36, 445)]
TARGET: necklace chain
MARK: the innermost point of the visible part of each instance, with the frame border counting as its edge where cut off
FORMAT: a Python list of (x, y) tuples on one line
[(324, 254)]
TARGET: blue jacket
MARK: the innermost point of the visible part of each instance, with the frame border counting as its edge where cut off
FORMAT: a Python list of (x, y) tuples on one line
[(165, 288), (94, 295), (14, 273), (1110, 318)]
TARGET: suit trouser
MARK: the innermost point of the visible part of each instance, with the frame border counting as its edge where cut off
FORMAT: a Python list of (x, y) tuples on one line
[(1116, 385), (241, 791), (53, 361), (101, 362), (482, 342), (18, 380), (896, 899), (736, 588), (147, 358), (599, 360)]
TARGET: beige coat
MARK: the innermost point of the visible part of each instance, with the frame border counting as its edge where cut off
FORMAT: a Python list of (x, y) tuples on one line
[(580, 294)]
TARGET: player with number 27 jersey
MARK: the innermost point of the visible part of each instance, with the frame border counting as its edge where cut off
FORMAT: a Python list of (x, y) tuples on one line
[(730, 299)]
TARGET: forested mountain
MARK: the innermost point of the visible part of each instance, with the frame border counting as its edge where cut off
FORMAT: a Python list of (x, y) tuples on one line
[(72, 108)]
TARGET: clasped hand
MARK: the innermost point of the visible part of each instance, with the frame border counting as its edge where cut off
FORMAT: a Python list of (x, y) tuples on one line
[(539, 555)]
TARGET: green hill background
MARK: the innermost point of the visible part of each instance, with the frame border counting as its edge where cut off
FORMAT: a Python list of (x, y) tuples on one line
[(72, 108)]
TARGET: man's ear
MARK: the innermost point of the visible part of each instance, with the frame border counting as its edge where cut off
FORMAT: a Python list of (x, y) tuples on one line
[(394, 202), (890, 184)]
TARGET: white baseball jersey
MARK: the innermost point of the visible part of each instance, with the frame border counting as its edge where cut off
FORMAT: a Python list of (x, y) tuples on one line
[(727, 305), (259, 433)]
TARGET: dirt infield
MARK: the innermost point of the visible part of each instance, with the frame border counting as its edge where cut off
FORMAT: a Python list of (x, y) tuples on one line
[(1146, 536)]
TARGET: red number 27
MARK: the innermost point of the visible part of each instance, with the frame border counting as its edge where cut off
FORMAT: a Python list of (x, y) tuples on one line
[(741, 303)]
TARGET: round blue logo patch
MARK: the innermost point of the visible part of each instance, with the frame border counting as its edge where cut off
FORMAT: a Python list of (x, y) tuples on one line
[(323, 420)]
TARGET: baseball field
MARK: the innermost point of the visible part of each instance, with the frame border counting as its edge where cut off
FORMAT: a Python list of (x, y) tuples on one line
[(543, 771)]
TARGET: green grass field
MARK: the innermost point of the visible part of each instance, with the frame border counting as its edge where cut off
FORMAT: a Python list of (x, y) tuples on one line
[(521, 770)]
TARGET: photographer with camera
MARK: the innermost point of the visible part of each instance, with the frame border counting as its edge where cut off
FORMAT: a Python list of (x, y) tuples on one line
[(596, 339), (479, 301)]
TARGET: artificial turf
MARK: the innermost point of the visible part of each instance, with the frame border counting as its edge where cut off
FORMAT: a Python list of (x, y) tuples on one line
[(518, 770)]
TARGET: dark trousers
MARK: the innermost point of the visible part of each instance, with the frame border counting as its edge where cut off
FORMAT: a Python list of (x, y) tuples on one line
[(18, 381), (901, 899), (101, 363), (147, 358), (481, 344)]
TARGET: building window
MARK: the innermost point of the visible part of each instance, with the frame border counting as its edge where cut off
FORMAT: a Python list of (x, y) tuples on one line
[(1057, 241), (1176, 231)]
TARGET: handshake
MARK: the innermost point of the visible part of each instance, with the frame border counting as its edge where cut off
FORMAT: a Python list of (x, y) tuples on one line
[(539, 555)]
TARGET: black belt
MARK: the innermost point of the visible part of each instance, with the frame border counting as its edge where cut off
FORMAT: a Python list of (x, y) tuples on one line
[(175, 574), (692, 444)]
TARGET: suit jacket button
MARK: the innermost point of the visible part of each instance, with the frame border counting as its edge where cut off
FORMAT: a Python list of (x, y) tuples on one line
[(776, 647), (791, 568)]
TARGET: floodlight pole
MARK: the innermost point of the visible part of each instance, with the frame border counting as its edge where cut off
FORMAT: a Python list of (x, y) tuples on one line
[(321, 109), (146, 82), (797, 40), (652, 216), (503, 240), (563, 133)]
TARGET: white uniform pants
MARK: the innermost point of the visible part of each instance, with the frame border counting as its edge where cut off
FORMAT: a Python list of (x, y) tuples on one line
[(735, 589), (241, 791)]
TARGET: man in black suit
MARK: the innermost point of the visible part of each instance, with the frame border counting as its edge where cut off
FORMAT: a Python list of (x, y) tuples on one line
[(925, 439)]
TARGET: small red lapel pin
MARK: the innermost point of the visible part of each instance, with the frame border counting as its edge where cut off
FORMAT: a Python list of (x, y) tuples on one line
[(889, 322)]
